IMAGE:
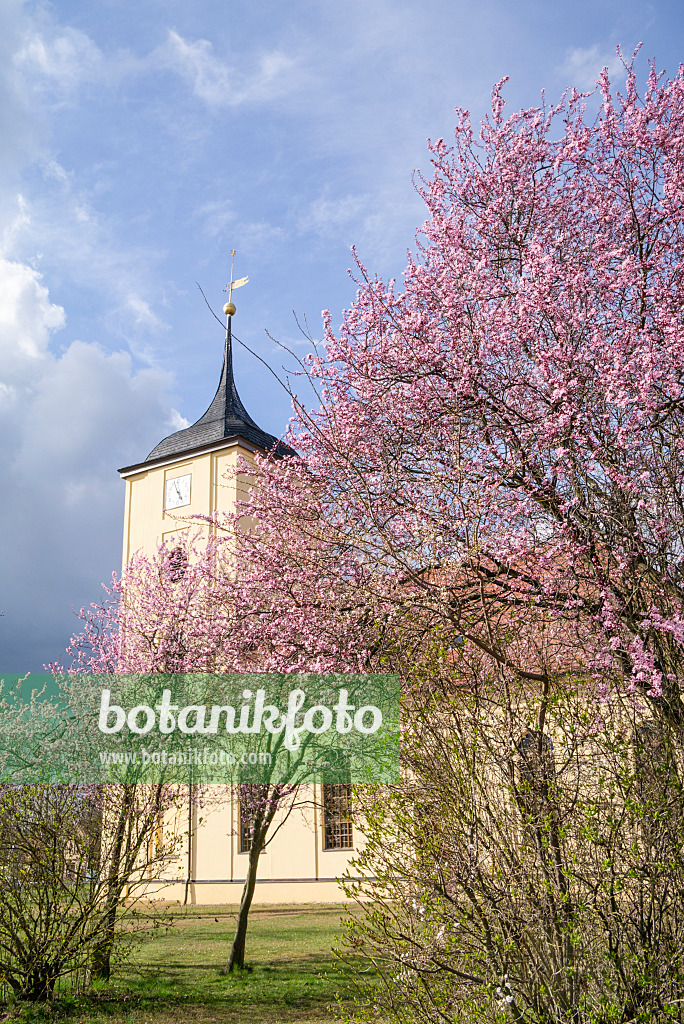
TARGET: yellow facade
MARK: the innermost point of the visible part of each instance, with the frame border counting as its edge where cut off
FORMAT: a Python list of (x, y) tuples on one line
[(147, 522), (207, 865)]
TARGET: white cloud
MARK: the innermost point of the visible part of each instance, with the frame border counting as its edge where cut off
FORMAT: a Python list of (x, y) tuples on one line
[(177, 422), (63, 221), (209, 77), (62, 62), (582, 66), (218, 84), (85, 411), (66, 419), (261, 234), (27, 318), (56, 62), (65, 409), (71, 413), (8, 394), (19, 119), (339, 214), (217, 216), (17, 223), (374, 221), (143, 314)]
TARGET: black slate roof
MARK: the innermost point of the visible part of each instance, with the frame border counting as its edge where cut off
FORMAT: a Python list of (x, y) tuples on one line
[(225, 418)]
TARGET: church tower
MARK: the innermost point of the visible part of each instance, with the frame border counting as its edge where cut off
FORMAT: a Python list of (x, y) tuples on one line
[(184, 476)]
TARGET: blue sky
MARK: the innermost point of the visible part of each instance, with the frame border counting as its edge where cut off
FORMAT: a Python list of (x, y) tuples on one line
[(140, 143)]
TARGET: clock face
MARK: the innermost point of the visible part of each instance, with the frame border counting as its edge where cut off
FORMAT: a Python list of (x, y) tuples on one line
[(177, 491)]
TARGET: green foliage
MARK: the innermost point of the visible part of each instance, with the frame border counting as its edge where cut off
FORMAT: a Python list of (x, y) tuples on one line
[(49, 863), (531, 866), (69, 857)]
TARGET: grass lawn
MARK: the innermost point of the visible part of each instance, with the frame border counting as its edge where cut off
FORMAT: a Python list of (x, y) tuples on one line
[(174, 974)]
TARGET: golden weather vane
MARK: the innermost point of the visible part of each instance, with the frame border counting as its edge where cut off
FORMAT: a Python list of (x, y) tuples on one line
[(229, 308)]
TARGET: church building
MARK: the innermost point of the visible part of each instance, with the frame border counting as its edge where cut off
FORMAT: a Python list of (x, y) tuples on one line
[(184, 476)]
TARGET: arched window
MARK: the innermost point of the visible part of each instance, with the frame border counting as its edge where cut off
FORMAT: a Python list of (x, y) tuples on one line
[(246, 823), (536, 773), (177, 564), (337, 816), (253, 798), (656, 777), (652, 762)]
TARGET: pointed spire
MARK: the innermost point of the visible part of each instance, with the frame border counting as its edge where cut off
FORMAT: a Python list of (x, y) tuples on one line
[(225, 418)]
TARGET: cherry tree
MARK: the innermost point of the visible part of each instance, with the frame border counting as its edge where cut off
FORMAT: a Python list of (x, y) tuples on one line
[(199, 607), (506, 428), (140, 626), (499, 442)]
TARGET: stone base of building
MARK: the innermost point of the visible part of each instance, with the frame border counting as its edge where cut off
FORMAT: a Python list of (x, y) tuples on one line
[(271, 890)]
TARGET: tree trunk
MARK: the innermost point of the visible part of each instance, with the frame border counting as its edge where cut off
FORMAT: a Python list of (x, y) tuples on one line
[(100, 964), (237, 952), (37, 985), (101, 961), (124, 855), (267, 802)]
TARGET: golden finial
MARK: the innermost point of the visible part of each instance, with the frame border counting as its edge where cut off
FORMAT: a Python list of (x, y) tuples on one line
[(229, 308)]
